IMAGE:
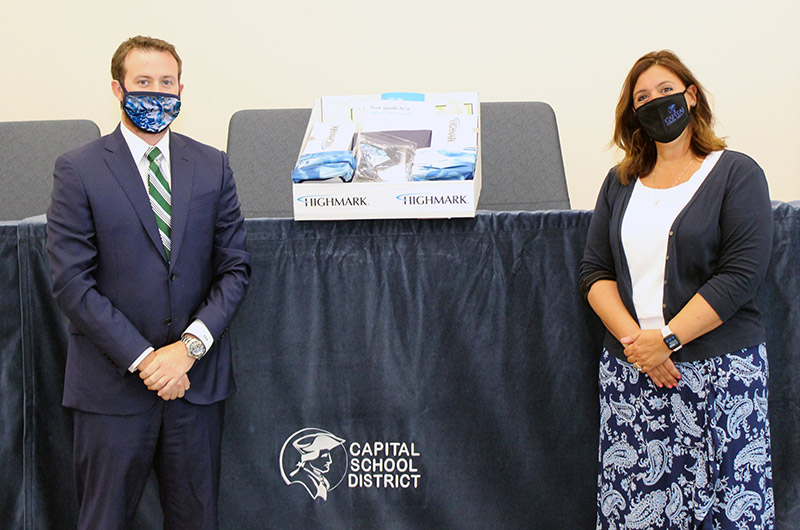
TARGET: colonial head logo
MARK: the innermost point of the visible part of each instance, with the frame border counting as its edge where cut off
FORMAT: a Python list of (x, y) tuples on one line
[(316, 459)]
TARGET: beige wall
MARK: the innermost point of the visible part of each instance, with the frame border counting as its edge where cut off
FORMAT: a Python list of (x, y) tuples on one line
[(573, 55)]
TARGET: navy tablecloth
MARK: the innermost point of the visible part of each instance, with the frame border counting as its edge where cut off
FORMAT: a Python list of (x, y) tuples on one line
[(449, 365)]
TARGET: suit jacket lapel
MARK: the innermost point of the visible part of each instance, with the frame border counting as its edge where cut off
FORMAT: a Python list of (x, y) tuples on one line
[(122, 166), (182, 181)]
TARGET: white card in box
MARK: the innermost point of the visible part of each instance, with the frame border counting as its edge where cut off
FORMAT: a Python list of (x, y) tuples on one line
[(337, 200)]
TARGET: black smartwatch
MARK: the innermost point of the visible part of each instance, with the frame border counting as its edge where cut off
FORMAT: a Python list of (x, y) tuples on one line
[(672, 342)]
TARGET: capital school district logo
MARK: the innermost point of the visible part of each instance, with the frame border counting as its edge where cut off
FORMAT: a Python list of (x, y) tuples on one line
[(315, 459), (674, 115)]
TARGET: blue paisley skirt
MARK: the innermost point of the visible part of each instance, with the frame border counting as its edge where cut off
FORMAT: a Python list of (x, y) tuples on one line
[(693, 457)]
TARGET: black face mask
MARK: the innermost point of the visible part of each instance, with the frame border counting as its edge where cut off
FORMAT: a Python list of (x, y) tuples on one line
[(665, 118)]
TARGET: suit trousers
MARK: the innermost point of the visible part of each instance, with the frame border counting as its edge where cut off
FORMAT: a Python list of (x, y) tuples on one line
[(113, 457)]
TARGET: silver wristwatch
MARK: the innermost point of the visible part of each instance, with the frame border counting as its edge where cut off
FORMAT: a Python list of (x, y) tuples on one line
[(195, 346)]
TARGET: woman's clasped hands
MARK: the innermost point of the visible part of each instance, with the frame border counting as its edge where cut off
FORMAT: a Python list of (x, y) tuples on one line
[(648, 353)]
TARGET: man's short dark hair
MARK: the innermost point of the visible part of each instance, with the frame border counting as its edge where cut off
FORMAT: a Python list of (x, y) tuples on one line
[(140, 43)]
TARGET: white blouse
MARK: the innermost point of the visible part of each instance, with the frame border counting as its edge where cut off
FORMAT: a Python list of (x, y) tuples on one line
[(646, 228)]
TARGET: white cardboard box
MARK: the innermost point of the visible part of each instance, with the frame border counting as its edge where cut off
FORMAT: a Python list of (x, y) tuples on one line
[(337, 200)]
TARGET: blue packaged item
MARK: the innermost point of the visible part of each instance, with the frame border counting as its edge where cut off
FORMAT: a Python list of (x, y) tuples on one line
[(445, 165), (325, 165)]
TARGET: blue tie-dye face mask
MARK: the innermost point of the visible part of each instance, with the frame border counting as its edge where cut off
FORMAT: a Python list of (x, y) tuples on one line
[(151, 112)]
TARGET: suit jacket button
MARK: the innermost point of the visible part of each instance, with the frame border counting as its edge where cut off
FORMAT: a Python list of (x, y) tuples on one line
[(168, 321), (172, 277)]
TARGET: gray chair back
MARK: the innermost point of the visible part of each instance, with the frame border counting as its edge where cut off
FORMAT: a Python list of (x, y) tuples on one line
[(28, 152), (521, 159), (263, 145)]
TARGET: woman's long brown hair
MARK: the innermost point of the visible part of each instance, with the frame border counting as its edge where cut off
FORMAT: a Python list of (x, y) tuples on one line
[(640, 149)]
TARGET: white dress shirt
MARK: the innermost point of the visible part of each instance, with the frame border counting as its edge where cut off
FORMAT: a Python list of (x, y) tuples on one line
[(138, 149)]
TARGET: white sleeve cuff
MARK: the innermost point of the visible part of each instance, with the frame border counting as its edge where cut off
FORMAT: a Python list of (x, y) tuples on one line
[(132, 368), (199, 330)]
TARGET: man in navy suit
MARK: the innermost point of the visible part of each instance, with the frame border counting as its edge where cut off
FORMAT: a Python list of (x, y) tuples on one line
[(147, 253)]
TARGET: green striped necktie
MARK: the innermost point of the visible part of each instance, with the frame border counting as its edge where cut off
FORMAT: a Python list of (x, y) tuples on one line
[(160, 198)]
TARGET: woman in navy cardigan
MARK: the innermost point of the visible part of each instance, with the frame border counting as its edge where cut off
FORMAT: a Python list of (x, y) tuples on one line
[(678, 245)]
